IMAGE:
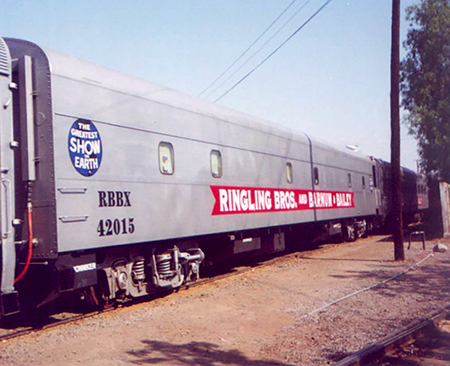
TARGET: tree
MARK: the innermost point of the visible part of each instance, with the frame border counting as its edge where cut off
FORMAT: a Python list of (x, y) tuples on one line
[(425, 83)]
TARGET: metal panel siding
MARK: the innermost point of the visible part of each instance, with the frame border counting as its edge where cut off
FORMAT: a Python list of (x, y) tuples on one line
[(111, 96), (114, 108), (133, 117), (162, 206), (5, 63), (334, 166)]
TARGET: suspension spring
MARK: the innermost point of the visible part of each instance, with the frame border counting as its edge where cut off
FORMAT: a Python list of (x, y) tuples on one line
[(138, 271), (164, 262)]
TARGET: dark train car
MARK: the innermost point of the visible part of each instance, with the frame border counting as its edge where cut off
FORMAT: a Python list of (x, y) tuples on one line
[(414, 190)]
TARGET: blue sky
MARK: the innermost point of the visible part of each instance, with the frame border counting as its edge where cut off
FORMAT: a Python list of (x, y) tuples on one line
[(331, 80)]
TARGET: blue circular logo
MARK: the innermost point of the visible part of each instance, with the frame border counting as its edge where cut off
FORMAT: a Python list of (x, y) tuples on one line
[(85, 147)]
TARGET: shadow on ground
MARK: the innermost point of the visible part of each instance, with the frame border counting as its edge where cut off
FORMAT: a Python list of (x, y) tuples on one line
[(429, 280), (427, 284), (193, 353)]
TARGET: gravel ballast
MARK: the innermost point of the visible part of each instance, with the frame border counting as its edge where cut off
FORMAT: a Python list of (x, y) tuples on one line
[(266, 316)]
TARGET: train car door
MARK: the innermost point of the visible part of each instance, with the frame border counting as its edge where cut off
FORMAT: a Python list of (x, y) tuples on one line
[(376, 189)]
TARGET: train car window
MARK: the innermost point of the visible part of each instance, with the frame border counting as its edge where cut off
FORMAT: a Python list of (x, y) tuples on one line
[(216, 164), (289, 175), (316, 176), (363, 182), (349, 180), (375, 184), (166, 163)]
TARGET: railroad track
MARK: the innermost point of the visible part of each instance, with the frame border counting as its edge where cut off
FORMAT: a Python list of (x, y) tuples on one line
[(374, 353)]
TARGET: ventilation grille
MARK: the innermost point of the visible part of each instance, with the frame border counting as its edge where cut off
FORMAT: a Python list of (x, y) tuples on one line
[(4, 64)]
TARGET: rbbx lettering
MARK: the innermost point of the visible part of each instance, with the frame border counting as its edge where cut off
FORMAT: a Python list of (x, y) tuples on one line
[(114, 199)]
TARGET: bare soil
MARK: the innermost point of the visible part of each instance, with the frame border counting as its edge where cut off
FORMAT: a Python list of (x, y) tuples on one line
[(266, 316)]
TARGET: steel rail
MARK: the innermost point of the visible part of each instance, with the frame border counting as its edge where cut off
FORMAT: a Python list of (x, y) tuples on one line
[(378, 349)]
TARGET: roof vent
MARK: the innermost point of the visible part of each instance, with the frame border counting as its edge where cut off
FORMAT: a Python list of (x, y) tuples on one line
[(4, 58)]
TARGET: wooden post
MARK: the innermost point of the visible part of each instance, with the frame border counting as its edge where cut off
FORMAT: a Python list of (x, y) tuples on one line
[(397, 224)]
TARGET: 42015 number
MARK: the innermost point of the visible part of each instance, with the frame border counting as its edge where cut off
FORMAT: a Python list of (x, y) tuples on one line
[(115, 226)]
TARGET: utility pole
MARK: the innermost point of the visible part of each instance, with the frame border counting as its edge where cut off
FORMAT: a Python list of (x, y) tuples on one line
[(397, 222)]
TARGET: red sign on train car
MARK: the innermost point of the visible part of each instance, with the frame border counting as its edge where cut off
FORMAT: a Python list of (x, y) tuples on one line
[(238, 200)]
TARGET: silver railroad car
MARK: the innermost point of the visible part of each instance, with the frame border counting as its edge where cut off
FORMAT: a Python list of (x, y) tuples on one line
[(111, 184)]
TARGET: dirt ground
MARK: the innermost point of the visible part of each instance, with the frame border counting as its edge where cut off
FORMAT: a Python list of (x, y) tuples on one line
[(266, 316)]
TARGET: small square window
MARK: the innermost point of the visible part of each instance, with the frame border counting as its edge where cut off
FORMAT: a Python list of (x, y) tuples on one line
[(166, 163), (289, 176), (316, 176), (216, 164)]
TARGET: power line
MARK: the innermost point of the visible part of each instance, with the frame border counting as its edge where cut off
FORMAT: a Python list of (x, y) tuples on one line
[(276, 50), (248, 48), (259, 49)]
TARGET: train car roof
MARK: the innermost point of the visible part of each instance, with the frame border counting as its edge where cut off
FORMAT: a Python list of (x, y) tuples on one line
[(88, 72), (71, 67)]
